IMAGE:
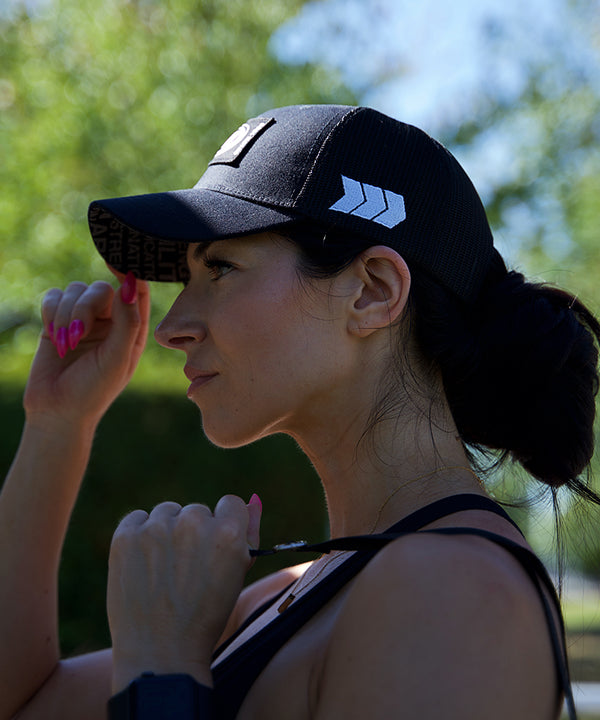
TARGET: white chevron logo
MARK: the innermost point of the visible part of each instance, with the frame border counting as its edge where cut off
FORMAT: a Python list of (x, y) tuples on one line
[(371, 202)]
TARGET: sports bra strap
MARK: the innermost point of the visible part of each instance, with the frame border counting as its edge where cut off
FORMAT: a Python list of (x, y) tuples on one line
[(274, 635), (411, 523), (539, 576)]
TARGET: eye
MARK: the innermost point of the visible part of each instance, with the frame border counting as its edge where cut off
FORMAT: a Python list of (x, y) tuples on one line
[(216, 268)]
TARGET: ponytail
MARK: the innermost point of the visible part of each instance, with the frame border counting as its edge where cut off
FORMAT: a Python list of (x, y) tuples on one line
[(519, 368)]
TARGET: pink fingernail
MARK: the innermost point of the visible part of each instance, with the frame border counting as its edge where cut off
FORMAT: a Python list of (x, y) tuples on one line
[(75, 332), (255, 500), (61, 342), (129, 289)]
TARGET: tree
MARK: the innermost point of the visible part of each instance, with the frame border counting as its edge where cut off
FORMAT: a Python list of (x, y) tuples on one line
[(512, 88), (118, 98)]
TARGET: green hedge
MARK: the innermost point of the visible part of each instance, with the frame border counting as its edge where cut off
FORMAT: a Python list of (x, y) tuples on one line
[(150, 448)]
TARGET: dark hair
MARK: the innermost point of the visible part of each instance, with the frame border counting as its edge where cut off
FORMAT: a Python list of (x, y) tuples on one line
[(519, 365)]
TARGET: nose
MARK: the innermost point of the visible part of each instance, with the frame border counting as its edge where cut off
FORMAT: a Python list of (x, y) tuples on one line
[(180, 327)]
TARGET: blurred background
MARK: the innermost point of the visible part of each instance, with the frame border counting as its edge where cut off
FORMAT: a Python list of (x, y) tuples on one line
[(99, 99)]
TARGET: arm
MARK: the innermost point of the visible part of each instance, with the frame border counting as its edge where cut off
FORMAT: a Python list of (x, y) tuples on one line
[(439, 627), (64, 400)]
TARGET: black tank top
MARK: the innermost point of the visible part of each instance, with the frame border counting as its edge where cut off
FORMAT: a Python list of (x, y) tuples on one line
[(234, 676)]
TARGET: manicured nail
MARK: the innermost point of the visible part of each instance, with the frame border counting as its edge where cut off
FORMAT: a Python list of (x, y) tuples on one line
[(129, 289), (76, 329), (61, 342), (255, 500)]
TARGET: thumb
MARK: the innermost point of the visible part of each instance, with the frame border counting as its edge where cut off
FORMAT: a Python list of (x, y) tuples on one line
[(126, 314), (254, 515)]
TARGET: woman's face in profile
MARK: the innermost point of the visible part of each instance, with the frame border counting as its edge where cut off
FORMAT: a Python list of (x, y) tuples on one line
[(265, 351)]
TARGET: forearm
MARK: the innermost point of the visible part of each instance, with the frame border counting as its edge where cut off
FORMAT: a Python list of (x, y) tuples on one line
[(35, 506)]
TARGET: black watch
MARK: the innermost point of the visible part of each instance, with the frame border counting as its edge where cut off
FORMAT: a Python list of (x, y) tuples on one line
[(163, 697)]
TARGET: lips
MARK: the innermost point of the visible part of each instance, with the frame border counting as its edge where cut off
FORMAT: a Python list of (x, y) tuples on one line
[(193, 373), (197, 377)]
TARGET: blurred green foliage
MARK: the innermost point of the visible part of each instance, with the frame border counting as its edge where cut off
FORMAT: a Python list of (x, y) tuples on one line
[(150, 448), (118, 98), (546, 219), (134, 96)]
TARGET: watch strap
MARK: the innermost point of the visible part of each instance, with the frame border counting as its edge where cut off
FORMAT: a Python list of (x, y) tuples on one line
[(163, 697)]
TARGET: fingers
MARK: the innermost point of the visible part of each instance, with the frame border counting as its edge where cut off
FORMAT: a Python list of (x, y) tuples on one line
[(164, 511), (234, 525), (70, 315), (74, 314), (174, 578), (254, 516), (131, 312), (132, 520)]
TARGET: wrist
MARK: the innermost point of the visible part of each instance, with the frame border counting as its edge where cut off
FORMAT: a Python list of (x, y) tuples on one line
[(45, 425), (163, 697), (126, 673)]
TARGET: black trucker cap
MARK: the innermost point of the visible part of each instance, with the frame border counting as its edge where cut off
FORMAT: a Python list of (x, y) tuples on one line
[(351, 168)]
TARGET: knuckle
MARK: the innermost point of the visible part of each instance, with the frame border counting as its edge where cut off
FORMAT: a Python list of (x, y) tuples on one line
[(133, 519), (166, 508), (75, 289), (51, 299), (101, 284), (52, 295), (229, 533), (194, 512), (230, 504), (100, 287), (77, 286), (160, 520)]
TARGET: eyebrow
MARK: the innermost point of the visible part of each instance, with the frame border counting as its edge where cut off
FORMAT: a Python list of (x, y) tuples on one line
[(201, 249)]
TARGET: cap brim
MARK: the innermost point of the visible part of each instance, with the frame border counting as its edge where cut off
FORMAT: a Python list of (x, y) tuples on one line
[(149, 234)]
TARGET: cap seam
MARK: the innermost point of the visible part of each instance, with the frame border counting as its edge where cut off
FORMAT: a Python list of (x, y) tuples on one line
[(322, 143), (270, 202)]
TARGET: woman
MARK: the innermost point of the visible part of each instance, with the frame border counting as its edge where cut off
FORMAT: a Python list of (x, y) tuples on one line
[(341, 286)]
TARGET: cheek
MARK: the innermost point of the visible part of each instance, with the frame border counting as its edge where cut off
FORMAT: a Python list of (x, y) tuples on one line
[(264, 316)]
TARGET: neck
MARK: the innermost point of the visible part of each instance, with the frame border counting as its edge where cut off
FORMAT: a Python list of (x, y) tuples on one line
[(372, 481)]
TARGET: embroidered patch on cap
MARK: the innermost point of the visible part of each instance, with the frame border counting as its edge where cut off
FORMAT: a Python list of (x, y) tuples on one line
[(241, 140)]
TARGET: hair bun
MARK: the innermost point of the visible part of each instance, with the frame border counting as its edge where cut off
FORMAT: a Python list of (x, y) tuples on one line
[(520, 373)]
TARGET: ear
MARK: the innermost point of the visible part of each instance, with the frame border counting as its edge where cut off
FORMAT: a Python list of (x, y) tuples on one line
[(381, 291)]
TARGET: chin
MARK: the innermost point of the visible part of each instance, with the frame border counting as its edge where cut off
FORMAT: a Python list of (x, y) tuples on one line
[(230, 437)]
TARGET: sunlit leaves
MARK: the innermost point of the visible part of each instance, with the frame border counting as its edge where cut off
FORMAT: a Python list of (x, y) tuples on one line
[(117, 98)]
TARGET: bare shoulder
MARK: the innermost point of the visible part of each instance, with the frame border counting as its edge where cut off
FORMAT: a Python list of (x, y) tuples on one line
[(440, 622)]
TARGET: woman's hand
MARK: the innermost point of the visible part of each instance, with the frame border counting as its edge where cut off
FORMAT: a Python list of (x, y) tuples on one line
[(92, 340), (174, 578)]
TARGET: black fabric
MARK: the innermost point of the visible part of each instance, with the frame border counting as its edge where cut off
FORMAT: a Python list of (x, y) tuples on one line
[(418, 519), (347, 167), (235, 675), (163, 697)]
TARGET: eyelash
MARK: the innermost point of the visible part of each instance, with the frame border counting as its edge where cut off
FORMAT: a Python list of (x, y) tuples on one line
[(215, 266)]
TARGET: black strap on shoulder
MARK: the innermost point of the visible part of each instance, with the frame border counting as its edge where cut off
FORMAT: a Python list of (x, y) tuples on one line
[(413, 522), (541, 581), (237, 672)]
